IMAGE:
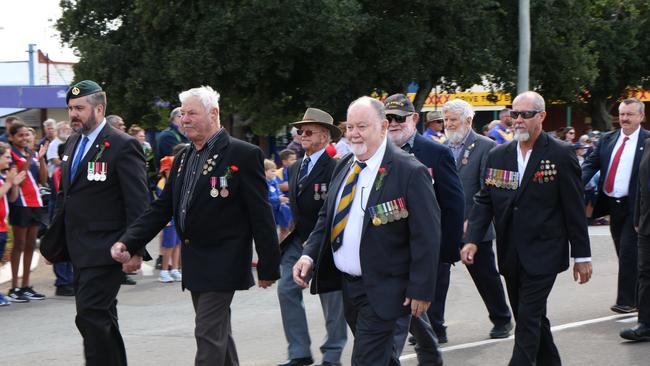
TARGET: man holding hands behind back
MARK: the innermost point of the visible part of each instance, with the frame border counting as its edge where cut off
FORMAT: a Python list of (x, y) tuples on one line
[(377, 236), (217, 195)]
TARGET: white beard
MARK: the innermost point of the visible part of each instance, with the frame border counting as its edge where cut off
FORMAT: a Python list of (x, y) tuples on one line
[(455, 137), (521, 136), (358, 149)]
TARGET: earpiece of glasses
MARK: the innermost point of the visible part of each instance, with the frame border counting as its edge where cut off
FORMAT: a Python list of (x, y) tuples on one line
[(398, 119), (523, 114)]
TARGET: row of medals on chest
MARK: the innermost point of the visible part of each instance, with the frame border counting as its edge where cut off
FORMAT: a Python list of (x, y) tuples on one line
[(390, 211), (223, 180), (97, 171)]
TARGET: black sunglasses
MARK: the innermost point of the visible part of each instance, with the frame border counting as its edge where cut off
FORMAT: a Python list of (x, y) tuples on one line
[(523, 114), (306, 132), (398, 119)]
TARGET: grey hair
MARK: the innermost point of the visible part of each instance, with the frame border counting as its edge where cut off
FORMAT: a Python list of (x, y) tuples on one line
[(538, 100), (208, 96), (376, 105), (294, 131), (96, 99), (50, 122), (61, 125), (113, 118), (461, 108), (629, 101), (175, 112)]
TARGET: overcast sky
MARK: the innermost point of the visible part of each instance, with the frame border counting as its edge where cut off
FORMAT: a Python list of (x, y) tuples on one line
[(30, 21)]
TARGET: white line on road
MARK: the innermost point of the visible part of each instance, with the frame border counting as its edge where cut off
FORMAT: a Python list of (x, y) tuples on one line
[(555, 328)]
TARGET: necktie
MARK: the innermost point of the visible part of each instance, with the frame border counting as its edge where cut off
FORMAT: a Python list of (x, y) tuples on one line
[(609, 182), (77, 158), (407, 148), (304, 169), (343, 209)]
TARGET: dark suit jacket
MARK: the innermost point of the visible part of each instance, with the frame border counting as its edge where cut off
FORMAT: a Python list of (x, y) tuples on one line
[(398, 259), (474, 153), (96, 214), (599, 160), (449, 192), (538, 222), (219, 232), (642, 206), (303, 205)]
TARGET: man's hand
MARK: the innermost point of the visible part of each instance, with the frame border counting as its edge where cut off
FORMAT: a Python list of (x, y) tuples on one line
[(582, 271), (132, 265), (418, 307), (119, 253), (301, 271), (467, 253), (265, 283), (43, 150)]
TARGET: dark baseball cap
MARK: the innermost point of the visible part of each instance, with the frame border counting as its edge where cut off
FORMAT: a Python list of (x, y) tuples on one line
[(399, 104)]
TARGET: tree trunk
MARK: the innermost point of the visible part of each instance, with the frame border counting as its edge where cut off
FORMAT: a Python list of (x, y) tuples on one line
[(422, 94), (599, 108)]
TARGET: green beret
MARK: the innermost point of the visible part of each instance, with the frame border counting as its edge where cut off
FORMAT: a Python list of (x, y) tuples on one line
[(81, 89)]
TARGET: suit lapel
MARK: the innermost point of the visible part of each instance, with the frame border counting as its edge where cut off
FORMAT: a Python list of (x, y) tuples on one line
[(539, 149), (315, 172), (178, 180), (335, 186), (90, 155), (609, 149), (466, 151), (373, 198), (638, 153), (216, 154), (293, 180), (69, 152)]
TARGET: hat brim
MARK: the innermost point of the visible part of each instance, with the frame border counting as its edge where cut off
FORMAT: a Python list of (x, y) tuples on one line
[(334, 131), (398, 112)]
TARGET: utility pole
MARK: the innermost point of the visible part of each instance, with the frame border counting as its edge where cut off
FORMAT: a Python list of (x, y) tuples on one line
[(523, 71)]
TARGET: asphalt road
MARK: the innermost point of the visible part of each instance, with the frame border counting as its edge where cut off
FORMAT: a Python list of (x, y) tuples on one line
[(157, 323)]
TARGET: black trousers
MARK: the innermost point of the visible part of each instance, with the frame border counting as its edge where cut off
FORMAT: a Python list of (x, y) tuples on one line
[(436, 311), (644, 279), (373, 336), (625, 242), (528, 296), (213, 333), (96, 292)]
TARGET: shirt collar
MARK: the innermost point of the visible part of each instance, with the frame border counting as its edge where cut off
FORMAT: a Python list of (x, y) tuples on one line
[(211, 141), (633, 136), (411, 140), (376, 158), (93, 135), (313, 158)]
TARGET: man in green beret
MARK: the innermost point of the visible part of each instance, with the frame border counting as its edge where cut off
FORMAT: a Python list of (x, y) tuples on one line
[(101, 167)]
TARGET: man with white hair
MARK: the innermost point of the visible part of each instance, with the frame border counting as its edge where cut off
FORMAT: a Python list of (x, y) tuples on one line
[(296, 144), (218, 196), (49, 131), (470, 152), (534, 195)]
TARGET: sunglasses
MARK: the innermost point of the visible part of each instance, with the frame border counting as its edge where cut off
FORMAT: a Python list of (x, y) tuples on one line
[(306, 132), (523, 114), (396, 118)]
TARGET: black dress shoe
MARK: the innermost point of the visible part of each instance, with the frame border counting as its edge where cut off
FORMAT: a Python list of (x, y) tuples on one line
[(442, 337), (623, 309), (639, 333), (304, 361), (65, 290), (126, 280), (412, 341), (326, 363), (501, 331)]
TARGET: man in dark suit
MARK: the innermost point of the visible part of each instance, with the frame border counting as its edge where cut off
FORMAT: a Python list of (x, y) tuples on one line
[(534, 194), (377, 236), (470, 152), (617, 157), (402, 132), (218, 197), (641, 332), (103, 188), (309, 179)]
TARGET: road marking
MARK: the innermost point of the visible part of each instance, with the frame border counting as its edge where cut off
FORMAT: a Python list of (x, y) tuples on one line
[(411, 356)]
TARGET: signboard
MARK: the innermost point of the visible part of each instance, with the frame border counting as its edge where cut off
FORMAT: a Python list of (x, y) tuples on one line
[(33, 96), (476, 99)]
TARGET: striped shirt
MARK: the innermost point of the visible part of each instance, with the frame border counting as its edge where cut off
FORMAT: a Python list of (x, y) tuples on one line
[(29, 195), (195, 159)]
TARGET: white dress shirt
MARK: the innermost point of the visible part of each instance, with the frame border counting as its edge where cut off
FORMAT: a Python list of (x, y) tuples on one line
[(522, 162), (313, 158), (347, 257), (91, 140), (624, 170)]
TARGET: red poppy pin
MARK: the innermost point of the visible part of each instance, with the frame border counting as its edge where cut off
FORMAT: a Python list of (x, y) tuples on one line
[(380, 178), (230, 170), (105, 145)]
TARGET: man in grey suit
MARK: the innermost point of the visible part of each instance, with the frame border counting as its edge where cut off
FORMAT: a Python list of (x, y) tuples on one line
[(470, 152)]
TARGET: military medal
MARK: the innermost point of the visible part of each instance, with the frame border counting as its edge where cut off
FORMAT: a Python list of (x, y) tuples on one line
[(102, 175), (404, 212), (375, 220), (91, 171), (214, 192), (323, 190), (382, 217), (389, 212), (316, 189), (396, 213), (464, 161), (223, 182)]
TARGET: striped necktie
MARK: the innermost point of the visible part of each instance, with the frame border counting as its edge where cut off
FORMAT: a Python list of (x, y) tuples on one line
[(343, 209)]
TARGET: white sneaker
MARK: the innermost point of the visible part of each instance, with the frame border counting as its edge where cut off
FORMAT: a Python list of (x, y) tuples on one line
[(165, 277), (176, 275)]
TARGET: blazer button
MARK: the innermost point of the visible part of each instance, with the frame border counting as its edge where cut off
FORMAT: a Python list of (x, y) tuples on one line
[(187, 241), (516, 208)]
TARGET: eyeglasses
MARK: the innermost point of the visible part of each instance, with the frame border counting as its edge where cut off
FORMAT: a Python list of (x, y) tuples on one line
[(306, 132), (523, 114), (396, 118)]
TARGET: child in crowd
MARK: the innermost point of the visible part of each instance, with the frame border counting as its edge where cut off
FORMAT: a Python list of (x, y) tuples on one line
[(287, 157), (26, 213), (281, 211), (170, 246), (10, 179)]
